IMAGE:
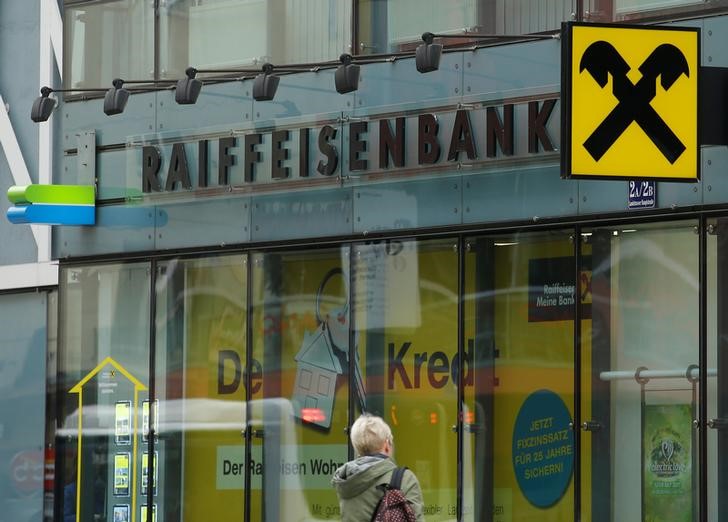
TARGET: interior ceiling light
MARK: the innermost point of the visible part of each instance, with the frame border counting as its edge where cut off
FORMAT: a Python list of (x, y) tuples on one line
[(427, 54)]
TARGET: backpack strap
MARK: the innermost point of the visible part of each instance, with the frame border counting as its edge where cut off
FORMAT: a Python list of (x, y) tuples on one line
[(396, 480)]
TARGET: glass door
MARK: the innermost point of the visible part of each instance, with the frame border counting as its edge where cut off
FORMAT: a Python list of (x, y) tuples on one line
[(103, 378), (639, 385), (717, 359), (197, 413), (405, 310), (518, 343), (298, 406)]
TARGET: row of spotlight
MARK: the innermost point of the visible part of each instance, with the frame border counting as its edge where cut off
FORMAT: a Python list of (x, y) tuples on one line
[(187, 90)]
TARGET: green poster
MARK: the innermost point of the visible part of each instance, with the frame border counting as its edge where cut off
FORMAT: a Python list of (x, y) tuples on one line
[(668, 463)]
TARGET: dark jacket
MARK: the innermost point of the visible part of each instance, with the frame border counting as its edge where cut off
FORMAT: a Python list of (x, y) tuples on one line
[(360, 486)]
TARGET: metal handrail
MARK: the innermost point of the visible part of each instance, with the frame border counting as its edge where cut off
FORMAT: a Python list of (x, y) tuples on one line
[(691, 373)]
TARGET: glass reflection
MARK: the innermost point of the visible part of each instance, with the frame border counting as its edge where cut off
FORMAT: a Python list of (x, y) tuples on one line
[(251, 32), (200, 393), (103, 378), (299, 382), (107, 40), (405, 316), (640, 399), (518, 446)]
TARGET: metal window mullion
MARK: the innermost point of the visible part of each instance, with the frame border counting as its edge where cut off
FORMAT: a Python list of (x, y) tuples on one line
[(577, 372), (156, 57), (703, 376), (352, 354), (151, 462), (247, 435), (460, 382)]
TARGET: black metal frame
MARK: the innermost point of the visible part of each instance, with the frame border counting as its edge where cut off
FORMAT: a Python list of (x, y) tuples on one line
[(151, 464), (460, 234), (247, 433), (576, 423)]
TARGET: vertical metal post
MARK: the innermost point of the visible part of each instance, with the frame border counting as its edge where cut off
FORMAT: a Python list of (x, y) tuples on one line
[(693, 435), (600, 479), (703, 363), (642, 382), (354, 32), (352, 350), (247, 435), (156, 74), (484, 355), (461, 373), (151, 463), (577, 371), (721, 359)]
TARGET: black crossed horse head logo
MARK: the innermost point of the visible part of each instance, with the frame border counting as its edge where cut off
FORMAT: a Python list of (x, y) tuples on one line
[(667, 62)]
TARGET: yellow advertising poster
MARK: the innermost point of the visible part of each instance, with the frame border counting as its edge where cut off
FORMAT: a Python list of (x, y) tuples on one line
[(406, 319), (143, 513), (520, 312), (122, 423), (631, 101), (406, 316), (121, 475), (213, 409), (300, 397)]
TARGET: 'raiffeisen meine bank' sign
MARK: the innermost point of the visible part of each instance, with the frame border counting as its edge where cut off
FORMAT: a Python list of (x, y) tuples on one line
[(353, 146)]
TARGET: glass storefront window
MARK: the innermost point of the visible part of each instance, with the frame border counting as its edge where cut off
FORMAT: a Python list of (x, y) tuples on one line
[(199, 407), (717, 388), (210, 34), (406, 333), (518, 448), (103, 380), (261, 360), (639, 399), (298, 408), (24, 327), (396, 25), (628, 10), (107, 40)]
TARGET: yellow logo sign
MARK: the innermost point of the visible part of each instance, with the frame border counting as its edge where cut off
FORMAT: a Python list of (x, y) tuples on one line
[(631, 102)]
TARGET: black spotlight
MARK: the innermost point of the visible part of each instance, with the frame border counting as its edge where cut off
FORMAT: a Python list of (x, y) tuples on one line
[(346, 77), (265, 84), (427, 55), (188, 88), (43, 106), (116, 98)]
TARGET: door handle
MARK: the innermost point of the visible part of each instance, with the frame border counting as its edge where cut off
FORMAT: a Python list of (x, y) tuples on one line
[(257, 434), (591, 425), (718, 424)]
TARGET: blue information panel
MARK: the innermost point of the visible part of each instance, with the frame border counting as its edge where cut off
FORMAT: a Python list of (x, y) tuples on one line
[(543, 448), (642, 194)]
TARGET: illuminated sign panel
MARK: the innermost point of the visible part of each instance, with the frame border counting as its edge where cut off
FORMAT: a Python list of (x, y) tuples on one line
[(630, 102)]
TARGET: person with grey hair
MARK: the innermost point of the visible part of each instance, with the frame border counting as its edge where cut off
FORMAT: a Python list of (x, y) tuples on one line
[(360, 483)]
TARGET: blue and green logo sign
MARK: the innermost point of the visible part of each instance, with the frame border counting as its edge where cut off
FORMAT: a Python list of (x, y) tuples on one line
[(52, 204)]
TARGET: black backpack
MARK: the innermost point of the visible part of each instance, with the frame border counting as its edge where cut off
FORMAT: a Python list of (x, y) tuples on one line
[(393, 507)]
